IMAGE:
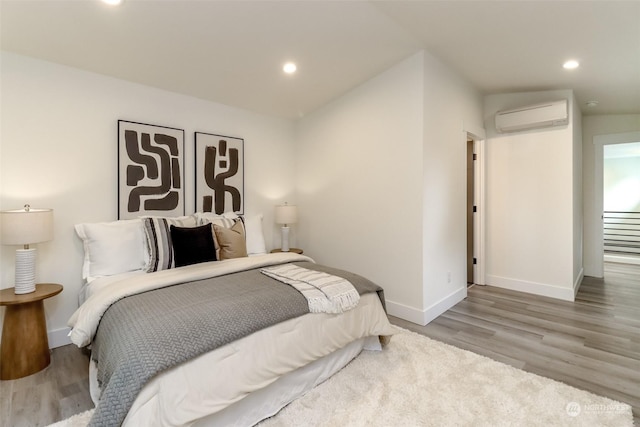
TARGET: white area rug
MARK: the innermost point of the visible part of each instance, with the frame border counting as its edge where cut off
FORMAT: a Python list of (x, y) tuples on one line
[(417, 381)]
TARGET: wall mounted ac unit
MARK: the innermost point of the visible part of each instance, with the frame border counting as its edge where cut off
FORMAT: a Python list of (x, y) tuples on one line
[(536, 116)]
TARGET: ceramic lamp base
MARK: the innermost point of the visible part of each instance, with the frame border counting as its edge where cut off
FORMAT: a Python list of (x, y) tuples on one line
[(285, 239), (25, 271)]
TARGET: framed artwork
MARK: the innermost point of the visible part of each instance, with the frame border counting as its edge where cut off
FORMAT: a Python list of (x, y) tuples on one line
[(150, 170), (219, 173)]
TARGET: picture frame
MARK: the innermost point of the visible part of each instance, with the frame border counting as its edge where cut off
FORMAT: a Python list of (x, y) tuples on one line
[(219, 181), (150, 170)]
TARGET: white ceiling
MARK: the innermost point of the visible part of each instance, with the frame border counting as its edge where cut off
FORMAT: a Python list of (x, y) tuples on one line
[(232, 52)]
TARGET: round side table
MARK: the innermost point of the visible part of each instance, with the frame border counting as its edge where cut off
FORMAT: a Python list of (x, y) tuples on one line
[(25, 347), (293, 250)]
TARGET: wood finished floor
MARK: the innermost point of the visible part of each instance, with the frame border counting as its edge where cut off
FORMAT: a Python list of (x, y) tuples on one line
[(592, 344), (53, 394)]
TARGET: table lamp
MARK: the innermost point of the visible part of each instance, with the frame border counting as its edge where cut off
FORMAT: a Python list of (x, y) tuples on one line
[(286, 214), (25, 227)]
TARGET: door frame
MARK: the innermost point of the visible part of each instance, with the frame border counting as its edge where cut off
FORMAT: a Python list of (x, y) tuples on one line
[(599, 141), (479, 195)]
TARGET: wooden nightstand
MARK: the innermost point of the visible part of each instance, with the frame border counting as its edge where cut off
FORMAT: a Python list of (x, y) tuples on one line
[(25, 347), (294, 250)]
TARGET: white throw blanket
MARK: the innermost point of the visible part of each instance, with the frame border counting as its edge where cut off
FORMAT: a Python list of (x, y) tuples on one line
[(325, 292)]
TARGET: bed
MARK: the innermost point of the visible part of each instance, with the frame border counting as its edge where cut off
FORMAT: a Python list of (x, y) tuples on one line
[(213, 342)]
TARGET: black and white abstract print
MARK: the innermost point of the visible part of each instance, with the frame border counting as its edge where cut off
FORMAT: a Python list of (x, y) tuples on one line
[(150, 170), (219, 173)]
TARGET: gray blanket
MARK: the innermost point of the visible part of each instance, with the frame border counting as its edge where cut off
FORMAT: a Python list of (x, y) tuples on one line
[(145, 334)]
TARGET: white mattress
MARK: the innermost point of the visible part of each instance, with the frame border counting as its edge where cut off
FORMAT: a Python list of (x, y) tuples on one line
[(216, 380)]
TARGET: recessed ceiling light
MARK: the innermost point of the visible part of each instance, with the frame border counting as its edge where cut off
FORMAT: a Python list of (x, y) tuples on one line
[(571, 64), (289, 68), (591, 104), (112, 2)]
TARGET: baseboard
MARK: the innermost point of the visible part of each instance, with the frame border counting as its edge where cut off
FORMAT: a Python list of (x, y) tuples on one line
[(410, 314), (59, 337), (422, 317), (436, 309), (542, 289), (577, 283)]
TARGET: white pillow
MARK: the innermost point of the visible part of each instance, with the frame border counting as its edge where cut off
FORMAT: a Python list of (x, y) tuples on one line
[(204, 217), (255, 236), (112, 247)]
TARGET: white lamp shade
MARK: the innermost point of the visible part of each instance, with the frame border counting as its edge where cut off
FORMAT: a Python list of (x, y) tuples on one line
[(23, 227), (286, 214)]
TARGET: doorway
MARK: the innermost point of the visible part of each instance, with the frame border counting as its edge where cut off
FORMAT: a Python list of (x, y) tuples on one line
[(621, 202), (474, 141), (471, 207), (598, 222)]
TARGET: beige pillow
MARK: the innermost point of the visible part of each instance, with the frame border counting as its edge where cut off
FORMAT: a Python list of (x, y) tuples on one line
[(226, 220), (231, 241)]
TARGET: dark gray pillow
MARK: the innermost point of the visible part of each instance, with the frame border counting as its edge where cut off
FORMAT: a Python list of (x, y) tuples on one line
[(192, 245)]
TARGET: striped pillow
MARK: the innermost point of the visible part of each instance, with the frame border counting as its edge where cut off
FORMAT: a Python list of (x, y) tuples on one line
[(157, 229)]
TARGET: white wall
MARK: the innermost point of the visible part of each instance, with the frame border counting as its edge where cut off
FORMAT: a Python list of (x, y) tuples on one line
[(578, 196), (58, 150), (359, 168), (382, 183), (451, 109), (596, 126), (530, 190)]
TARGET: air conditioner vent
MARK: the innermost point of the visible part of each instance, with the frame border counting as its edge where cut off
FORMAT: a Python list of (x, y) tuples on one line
[(548, 114)]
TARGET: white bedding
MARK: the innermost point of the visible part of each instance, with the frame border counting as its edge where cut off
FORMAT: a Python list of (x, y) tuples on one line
[(84, 321), (217, 380)]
